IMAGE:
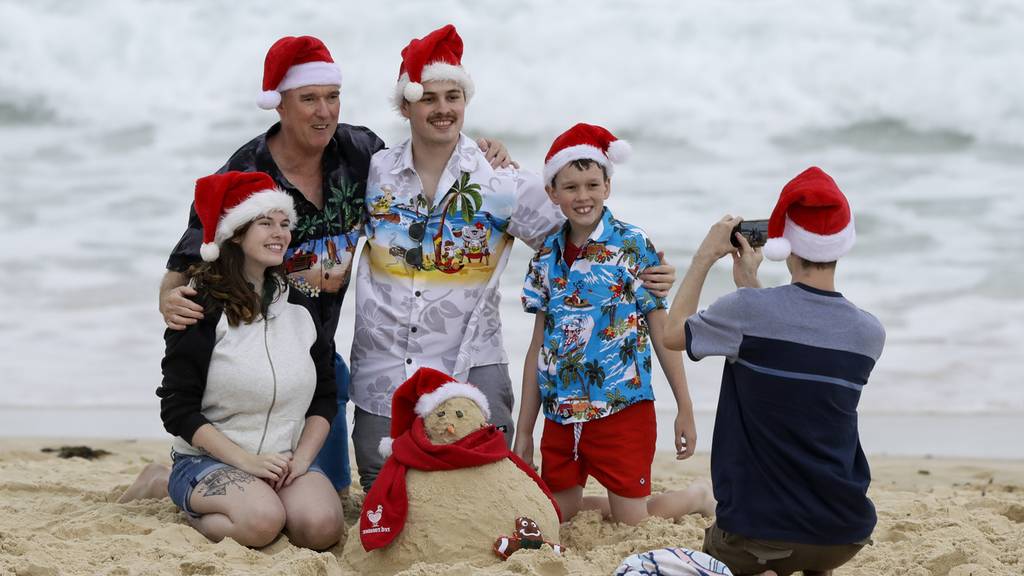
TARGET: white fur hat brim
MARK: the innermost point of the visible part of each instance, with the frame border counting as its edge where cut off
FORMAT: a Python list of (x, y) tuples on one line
[(406, 91), (256, 205), (809, 245), (563, 157), (299, 75), (428, 402)]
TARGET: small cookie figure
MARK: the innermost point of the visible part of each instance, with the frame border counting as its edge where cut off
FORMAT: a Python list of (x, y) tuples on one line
[(527, 535)]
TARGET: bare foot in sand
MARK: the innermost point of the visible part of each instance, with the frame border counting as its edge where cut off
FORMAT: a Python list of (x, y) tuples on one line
[(706, 508), (151, 483)]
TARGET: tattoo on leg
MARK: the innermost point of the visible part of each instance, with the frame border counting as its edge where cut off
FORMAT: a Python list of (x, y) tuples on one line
[(217, 482)]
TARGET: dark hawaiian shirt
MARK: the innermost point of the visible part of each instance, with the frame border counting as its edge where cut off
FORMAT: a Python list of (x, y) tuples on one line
[(319, 259)]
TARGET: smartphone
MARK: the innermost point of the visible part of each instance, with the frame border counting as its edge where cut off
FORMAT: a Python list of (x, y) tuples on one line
[(755, 231)]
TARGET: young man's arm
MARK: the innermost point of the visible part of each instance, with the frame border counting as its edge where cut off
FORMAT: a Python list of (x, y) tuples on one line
[(672, 365), (529, 399), (715, 245), (659, 279), (496, 153)]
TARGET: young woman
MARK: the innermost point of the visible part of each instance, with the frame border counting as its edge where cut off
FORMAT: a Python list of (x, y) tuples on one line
[(249, 391)]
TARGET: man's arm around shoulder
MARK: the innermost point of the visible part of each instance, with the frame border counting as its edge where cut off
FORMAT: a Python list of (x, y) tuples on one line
[(176, 305)]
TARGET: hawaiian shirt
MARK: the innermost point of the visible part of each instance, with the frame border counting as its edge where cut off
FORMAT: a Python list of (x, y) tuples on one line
[(427, 280), (596, 356), (319, 259)]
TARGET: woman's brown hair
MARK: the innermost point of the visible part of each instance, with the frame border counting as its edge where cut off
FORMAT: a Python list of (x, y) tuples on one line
[(223, 282)]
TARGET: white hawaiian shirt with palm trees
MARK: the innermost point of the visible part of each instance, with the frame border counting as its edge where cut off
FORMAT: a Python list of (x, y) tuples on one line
[(427, 280), (596, 356)]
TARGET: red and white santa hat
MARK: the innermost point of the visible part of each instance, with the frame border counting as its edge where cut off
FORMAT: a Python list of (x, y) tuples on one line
[(436, 56), (812, 219), (418, 396), (225, 202), (585, 141), (294, 62)]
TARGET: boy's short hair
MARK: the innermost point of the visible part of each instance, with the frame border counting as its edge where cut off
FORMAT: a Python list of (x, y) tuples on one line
[(805, 264), (581, 164)]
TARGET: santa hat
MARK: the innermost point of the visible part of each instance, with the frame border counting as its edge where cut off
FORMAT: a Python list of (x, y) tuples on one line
[(420, 395), (436, 56), (226, 202), (585, 142), (294, 62), (812, 219)]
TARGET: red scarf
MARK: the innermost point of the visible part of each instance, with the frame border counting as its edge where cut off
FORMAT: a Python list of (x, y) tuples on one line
[(387, 503)]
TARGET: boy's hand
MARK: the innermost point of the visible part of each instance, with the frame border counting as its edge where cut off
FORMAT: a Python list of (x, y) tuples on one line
[(659, 279), (717, 244), (523, 447), (745, 262), (496, 153), (686, 435)]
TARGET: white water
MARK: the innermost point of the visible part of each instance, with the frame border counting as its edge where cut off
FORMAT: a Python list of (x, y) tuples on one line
[(110, 110)]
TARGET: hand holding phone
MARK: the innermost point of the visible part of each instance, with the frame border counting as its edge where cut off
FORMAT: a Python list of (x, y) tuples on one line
[(755, 231)]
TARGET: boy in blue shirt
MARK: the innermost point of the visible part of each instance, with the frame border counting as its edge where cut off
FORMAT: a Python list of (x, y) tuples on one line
[(589, 363)]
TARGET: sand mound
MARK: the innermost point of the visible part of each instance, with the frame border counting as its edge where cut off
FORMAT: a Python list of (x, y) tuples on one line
[(936, 518), (457, 515)]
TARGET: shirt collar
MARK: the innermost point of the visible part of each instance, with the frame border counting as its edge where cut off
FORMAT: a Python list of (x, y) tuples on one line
[(466, 156), (602, 233), (265, 161)]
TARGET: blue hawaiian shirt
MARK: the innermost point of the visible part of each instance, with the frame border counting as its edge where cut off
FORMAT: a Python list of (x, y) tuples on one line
[(596, 356)]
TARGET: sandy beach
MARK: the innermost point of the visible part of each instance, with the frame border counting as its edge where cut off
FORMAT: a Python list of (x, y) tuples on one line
[(937, 517)]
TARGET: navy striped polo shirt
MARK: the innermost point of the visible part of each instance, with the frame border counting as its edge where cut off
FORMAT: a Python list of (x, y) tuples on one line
[(786, 459)]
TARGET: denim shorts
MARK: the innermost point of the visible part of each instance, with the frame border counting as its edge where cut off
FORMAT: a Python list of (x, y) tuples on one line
[(188, 471)]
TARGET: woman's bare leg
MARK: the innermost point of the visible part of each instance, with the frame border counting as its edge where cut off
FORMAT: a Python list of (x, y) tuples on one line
[(314, 517), (236, 504)]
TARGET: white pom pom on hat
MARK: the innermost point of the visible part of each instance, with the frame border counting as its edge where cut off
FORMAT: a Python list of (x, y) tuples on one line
[(620, 151), (268, 99), (776, 249), (209, 251), (413, 91)]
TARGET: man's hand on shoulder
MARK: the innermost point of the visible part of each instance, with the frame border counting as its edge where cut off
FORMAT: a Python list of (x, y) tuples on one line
[(496, 153), (178, 310), (659, 279)]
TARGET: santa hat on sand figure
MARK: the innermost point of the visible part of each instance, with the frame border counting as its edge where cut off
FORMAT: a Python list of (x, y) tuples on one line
[(420, 395), (411, 448)]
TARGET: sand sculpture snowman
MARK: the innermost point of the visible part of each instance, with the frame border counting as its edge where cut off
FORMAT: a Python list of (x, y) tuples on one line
[(449, 487)]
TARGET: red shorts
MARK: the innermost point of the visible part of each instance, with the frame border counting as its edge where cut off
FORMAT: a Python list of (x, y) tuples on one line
[(616, 450)]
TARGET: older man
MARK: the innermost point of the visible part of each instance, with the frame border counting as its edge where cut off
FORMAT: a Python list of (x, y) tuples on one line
[(440, 226)]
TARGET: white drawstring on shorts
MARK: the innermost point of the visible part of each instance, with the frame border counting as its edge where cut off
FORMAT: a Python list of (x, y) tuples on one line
[(577, 431)]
